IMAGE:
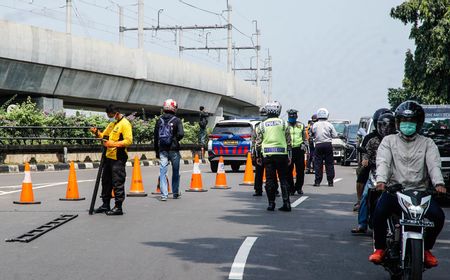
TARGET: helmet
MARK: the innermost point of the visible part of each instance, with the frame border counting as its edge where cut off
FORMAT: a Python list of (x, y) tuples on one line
[(378, 113), (386, 124), (273, 108), (262, 112), (314, 118), (292, 113), (170, 105), (322, 113), (411, 111)]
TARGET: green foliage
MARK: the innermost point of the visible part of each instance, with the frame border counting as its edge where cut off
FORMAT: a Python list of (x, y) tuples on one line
[(191, 132), (427, 70)]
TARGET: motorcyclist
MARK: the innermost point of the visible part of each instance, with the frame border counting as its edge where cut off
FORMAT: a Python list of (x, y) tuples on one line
[(298, 138), (273, 147), (411, 160), (385, 126)]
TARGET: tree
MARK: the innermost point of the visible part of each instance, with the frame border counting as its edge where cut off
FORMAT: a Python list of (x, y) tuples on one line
[(427, 70)]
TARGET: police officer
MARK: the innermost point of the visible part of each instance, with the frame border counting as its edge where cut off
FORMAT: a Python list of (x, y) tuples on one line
[(310, 162), (259, 169), (273, 144), (323, 133), (117, 136), (298, 136)]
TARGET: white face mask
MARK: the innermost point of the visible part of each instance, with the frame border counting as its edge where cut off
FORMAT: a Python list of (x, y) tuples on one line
[(112, 119)]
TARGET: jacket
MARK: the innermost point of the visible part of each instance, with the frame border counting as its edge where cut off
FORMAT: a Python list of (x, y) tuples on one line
[(120, 130), (410, 163), (323, 132), (177, 133)]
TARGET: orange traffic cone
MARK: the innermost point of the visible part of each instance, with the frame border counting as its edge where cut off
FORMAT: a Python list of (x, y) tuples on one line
[(137, 188), (72, 186), (221, 178), (294, 172), (158, 188), (249, 176), (264, 175), (196, 179), (26, 196)]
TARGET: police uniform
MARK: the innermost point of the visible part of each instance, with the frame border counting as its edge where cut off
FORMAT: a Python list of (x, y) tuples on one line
[(297, 131), (273, 142)]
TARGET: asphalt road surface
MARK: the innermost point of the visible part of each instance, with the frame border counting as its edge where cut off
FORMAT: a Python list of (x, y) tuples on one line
[(219, 234)]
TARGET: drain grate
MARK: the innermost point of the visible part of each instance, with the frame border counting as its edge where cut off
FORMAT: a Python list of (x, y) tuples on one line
[(35, 233)]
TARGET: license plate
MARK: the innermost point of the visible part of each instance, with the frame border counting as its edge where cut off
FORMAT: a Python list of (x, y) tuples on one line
[(230, 142), (416, 223)]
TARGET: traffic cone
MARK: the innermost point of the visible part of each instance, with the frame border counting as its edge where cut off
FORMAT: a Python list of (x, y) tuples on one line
[(221, 178), (158, 188), (72, 186), (26, 196), (294, 172), (264, 175), (249, 176), (137, 188), (196, 179)]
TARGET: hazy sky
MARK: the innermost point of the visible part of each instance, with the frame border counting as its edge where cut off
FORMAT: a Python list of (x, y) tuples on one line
[(342, 55)]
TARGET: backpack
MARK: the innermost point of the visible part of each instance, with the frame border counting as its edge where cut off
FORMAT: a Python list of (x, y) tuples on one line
[(165, 133)]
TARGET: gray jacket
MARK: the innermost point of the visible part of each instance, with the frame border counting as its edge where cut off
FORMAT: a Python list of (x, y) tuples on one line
[(323, 132), (410, 163)]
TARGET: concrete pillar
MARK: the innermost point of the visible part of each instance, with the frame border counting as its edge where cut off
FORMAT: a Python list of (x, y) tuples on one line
[(49, 105)]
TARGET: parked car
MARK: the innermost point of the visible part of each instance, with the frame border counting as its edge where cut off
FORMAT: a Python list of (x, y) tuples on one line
[(350, 136), (338, 143), (230, 139)]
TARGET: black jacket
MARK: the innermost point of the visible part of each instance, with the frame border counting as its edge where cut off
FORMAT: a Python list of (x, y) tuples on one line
[(177, 132)]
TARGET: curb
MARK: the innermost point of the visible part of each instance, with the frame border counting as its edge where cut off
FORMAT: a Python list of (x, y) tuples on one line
[(79, 166)]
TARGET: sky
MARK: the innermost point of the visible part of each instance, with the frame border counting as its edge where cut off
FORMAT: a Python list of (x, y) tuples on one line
[(341, 55)]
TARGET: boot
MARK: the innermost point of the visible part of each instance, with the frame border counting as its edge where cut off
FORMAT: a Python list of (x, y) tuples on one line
[(271, 206), (102, 209), (116, 211), (286, 206)]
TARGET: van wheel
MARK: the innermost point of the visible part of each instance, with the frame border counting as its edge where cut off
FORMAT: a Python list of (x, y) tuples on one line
[(235, 167), (214, 165)]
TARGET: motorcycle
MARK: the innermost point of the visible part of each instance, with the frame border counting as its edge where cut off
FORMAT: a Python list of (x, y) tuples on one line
[(404, 258)]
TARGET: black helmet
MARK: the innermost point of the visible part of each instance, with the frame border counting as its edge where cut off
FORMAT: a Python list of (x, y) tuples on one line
[(386, 124), (292, 113), (411, 111), (378, 113), (314, 117)]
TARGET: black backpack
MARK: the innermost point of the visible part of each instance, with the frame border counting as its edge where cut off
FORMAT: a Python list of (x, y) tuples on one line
[(165, 133)]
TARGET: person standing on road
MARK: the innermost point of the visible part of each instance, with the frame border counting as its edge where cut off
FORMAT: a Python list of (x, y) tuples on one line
[(273, 148), (259, 169), (203, 122), (298, 136), (310, 161), (167, 136), (412, 160), (117, 136), (323, 133)]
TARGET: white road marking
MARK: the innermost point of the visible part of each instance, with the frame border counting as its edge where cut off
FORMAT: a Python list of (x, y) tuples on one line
[(298, 201), (337, 180), (45, 186), (237, 269)]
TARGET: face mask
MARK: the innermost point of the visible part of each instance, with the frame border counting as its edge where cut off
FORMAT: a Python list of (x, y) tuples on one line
[(408, 128), (113, 119), (292, 120)]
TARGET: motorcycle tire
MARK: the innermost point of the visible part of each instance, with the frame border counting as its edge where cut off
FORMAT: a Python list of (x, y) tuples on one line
[(413, 260)]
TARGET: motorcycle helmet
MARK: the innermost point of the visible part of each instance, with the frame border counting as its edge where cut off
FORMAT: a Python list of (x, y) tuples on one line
[(170, 105), (378, 113), (273, 108), (314, 118), (386, 124), (409, 118), (322, 114)]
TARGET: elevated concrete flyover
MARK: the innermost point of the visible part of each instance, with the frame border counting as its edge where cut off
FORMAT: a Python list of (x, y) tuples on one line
[(74, 72)]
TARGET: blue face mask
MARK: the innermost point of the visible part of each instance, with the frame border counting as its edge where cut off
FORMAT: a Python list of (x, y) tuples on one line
[(292, 120), (408, 128)]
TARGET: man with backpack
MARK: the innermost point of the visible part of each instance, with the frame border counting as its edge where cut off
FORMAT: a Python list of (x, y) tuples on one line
[(167, 136)]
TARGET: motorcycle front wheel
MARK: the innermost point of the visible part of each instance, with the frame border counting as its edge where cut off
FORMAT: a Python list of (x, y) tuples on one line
[(413, 260)]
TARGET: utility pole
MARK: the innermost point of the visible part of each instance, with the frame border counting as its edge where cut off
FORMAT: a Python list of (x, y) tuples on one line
[(141, 24), (68, 16), (269, 86), (257, 52), (229, 38), (120, 25)]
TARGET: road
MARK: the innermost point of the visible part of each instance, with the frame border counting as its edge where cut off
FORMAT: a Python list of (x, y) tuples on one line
[(196, 237)]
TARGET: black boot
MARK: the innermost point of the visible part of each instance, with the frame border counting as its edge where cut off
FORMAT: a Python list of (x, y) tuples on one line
[(104, 208), (271, 206), (116, 211), (286, 206)]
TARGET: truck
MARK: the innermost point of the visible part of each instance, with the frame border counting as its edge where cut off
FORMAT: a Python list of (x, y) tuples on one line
[(437, 127)]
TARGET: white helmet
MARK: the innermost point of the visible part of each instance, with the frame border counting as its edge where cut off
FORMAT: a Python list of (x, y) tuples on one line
[(170, 105), (322, 113), (273, 108)]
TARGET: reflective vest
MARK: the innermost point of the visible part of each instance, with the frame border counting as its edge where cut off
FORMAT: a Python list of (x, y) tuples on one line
[(296, 135), (274, 137)]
